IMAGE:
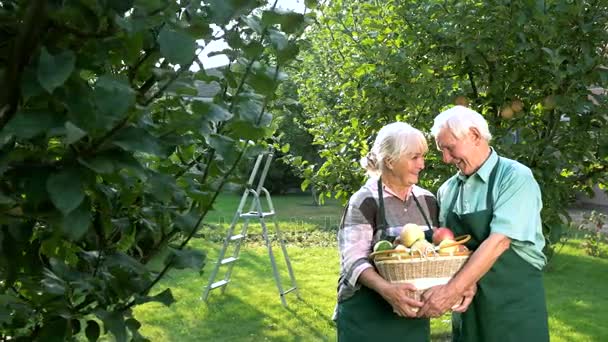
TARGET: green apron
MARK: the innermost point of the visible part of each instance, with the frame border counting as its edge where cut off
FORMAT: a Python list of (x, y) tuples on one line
[(366, 316), (510, 301)]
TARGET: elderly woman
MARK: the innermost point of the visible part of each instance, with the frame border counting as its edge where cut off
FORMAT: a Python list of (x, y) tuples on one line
[(370, 308)]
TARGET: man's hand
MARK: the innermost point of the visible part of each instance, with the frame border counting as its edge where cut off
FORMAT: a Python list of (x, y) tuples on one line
[(396, 296), (466, 300), (439, 299)]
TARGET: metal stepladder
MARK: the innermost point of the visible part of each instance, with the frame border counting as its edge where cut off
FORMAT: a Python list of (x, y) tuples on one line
[(255, 212)]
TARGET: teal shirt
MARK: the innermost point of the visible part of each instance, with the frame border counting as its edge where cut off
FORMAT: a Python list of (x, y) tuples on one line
[(517, 204)]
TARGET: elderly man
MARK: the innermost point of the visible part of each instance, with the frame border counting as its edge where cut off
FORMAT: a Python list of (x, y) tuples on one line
[(497, 201)]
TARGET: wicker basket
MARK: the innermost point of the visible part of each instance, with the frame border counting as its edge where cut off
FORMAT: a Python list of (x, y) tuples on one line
[(423, 271)]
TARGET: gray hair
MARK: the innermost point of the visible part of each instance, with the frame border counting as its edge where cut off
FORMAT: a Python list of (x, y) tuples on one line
[(393, 141), (459, 120)]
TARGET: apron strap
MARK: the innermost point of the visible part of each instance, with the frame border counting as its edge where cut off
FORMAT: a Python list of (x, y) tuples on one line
[(426, 219), (489, 195), (382, 225)]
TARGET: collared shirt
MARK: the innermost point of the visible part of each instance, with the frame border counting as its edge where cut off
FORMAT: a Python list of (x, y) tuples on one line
[(356, 234), (517, 204)]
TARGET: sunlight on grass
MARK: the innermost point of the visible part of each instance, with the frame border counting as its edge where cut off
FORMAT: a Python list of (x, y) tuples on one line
[(251, 310)]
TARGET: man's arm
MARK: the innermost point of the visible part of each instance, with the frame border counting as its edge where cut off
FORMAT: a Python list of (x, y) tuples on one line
[(441, 298)]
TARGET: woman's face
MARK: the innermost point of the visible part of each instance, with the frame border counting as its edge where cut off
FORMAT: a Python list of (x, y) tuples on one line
[(407, 168)]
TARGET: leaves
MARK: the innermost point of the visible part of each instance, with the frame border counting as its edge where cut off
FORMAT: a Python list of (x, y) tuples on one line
[(177, 46), (31, 123), (110, 155), (65, 190), (76, 223), (136, 139), (92, 331), (74, 133), (113, 97), (54, 70), (181, 259)]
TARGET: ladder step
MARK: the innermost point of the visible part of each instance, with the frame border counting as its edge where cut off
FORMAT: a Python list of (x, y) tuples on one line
[(228, 260), (286, 292), (254, 214), (218, 284), (237, 237)]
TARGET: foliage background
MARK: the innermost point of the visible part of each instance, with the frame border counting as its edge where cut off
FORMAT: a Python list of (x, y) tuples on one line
[(109, 159), (369, 63)]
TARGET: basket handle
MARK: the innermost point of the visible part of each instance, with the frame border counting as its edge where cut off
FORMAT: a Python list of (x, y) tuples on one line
[(460, 240)]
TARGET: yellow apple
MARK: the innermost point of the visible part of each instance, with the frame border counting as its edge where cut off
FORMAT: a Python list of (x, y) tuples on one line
[(448, 249), (506, 112), (411, 233)]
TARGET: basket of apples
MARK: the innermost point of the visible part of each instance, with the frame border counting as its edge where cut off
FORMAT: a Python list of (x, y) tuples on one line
[(412, 259)]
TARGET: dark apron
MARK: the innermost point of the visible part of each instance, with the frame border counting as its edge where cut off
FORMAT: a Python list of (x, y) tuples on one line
[(366, 316), (510, 301)]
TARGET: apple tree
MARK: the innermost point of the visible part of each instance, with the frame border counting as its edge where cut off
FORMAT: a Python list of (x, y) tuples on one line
[(537, 71)]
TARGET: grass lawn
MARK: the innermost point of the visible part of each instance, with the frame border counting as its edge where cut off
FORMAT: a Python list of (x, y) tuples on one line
[(250, 309)]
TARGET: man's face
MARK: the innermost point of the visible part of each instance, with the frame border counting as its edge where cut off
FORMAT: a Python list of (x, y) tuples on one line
[(460, 152)]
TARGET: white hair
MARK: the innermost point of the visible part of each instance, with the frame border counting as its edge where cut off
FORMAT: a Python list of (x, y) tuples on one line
[(392, 142), (459, 120)]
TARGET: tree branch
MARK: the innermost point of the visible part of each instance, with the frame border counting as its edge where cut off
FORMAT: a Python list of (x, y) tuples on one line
[(26, 43)]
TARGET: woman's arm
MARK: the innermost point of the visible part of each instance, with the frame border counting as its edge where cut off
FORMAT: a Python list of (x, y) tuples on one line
[(394, 294)]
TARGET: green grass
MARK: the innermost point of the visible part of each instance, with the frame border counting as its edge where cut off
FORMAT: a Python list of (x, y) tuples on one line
[(251, 310)]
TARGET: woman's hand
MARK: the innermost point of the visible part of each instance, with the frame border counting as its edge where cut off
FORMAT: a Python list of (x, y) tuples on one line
[(397, 296)]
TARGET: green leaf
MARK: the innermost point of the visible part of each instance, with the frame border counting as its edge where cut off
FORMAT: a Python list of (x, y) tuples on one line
[(182, 259), (113, 97), (52, 283), (136, 139), (186, 222), (285, 148), (277, 39), (53, 71), (311, 3), (6, 200), (115, 323), (74, 133), (165, 297), (101, 163), (77, 222), (290, 22), (120, 6), (177, 46), (224, 146), (65, 190), (92, 331), (28, 124), (54, 329), (162, 186), (211, 111)]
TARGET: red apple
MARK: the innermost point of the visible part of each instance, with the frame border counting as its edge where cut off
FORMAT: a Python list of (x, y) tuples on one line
[(441, 234)]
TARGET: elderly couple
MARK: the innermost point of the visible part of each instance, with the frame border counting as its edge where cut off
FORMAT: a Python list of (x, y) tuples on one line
[(498, 295)]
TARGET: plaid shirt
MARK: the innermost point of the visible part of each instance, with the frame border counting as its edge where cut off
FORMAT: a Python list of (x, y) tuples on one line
[(356, 236)]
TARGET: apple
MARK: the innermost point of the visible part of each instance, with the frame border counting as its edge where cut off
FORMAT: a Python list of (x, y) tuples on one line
[(549, 102), (507, 112), (517, 105), (411, 233), (441, 234), (449, 249), (462, 101)]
